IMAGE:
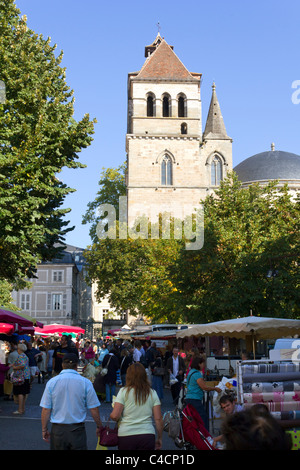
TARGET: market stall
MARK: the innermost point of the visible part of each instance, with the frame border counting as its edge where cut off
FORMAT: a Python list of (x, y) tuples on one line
[(13, 326), (251, 327), (18, 318), (57, 328), (274, 384), (17, 323), (6, 328)]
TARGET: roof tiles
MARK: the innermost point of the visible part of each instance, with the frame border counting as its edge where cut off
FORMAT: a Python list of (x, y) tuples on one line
[(163, 63)]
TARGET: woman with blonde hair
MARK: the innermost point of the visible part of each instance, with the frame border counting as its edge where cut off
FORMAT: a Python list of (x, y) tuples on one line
[(21, 367), (134, 407)]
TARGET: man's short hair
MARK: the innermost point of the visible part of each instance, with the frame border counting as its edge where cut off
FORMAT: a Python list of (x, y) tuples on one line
[(70, 358)]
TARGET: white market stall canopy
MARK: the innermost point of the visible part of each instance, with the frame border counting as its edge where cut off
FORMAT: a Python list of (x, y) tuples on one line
[(260, 327), (156, 334)]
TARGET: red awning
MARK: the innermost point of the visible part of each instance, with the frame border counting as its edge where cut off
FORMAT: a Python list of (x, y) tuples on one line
[(6, 316), (114, 332), (58, 328), (7, 328)]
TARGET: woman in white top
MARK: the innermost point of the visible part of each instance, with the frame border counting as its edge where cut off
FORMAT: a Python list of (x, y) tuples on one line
[(134, 407)]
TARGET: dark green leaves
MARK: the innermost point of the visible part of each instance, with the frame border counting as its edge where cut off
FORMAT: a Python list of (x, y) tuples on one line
[(38, 138)]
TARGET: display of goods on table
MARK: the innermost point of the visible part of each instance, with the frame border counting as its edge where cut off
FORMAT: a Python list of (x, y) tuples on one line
[(275, 384)]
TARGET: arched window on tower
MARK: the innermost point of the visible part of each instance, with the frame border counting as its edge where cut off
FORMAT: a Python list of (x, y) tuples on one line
[(166, 171), (183, 128), (166, 104), (150, 105), (216, 171), (182, 106)]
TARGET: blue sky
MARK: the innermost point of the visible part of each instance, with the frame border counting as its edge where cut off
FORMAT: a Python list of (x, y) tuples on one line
[(250, 49)]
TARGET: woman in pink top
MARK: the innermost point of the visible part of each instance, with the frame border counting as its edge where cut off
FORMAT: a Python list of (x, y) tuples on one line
[(88, 352), (194, 353)]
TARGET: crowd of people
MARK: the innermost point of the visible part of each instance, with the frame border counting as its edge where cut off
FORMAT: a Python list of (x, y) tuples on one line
[(142, 373)]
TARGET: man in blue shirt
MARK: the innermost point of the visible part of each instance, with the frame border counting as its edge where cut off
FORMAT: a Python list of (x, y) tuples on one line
[(65, 401)]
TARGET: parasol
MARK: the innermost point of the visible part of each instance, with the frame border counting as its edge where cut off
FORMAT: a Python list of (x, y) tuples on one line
[(18, 317), (255, 327), (6, 328), (58, 328), (6, 316), (263, 327)]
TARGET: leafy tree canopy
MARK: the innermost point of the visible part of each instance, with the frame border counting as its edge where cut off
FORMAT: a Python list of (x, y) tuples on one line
[(133, 273), (249, 260), (6, 300), (38, 138), (250, 256)]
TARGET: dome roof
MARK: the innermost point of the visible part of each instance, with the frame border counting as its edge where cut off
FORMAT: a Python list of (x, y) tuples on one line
[(272, 165)]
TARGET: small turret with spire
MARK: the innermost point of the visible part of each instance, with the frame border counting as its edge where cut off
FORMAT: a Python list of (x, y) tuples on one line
[(215, 127)]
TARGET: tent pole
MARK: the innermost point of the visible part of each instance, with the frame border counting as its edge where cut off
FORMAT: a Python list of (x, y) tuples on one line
[(253, 344)]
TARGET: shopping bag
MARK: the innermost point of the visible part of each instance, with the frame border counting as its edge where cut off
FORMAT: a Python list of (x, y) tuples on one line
[(100, 447), (7, 387), (171, 421), (17, 377), (104, 370), (173, 379), (108, 436)]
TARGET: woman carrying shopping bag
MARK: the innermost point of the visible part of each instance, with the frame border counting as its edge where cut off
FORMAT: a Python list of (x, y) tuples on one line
[(135, 406), (21, 378)]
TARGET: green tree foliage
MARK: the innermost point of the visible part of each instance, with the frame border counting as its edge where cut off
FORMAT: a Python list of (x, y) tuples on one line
[(6, 299), (111, 187), (250, 256), (249, 260), (38, 138), (133, 273)]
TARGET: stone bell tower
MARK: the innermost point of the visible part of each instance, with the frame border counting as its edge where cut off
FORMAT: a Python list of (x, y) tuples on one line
[(169, 159)]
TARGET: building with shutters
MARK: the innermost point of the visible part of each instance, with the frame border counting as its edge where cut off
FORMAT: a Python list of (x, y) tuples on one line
[(59, 293)]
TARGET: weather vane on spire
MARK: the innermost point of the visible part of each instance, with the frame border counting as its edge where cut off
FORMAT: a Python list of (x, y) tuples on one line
[(158, 27)]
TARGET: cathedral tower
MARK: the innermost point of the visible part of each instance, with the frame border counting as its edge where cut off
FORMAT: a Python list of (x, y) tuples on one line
[(169, 160)]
